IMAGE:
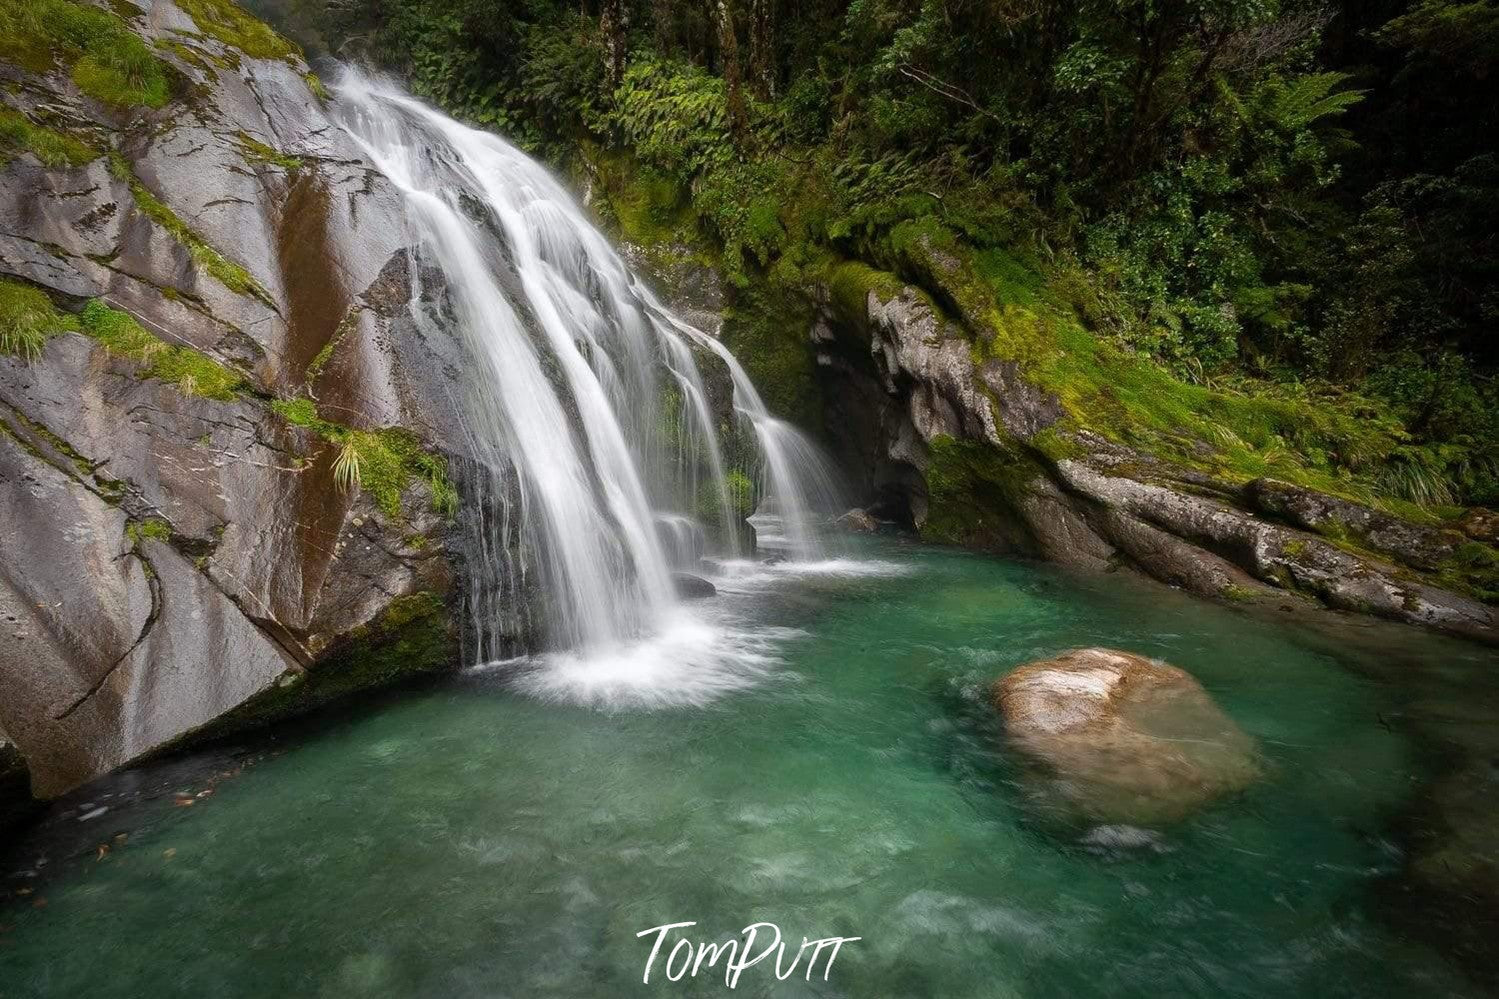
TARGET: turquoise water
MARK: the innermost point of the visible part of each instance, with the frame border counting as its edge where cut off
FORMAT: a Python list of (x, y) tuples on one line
[(471, 840)]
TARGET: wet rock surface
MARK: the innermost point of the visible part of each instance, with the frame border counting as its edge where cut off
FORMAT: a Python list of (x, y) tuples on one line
[(1122, 738), (690, 587), (973, 453), (858, 521), (167, 558)]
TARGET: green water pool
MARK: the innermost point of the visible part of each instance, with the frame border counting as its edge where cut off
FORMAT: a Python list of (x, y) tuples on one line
[(474, 839)]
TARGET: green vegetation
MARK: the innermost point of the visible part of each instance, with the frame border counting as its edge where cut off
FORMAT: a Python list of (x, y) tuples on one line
[(190, 371), (27, 319), (1473, 569), (743, 498), (226, 21), (152, 528), (383, 462), (973, 490), (230, 274), (1261, 227), (413, 637), (1234, 593), (18, 134), (256, 151), (107, 61), (315, 84)]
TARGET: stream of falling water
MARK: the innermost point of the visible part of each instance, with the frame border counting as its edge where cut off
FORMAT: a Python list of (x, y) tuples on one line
[(589, 420)]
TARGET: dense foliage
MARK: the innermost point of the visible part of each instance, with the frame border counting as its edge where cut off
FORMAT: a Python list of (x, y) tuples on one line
[(1265, 196)]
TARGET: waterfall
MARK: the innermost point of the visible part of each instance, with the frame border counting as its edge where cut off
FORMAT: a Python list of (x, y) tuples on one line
[(588, 421)]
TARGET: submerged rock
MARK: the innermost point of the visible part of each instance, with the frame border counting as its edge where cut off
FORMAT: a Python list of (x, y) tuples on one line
[(859, 521), (1122, 738), (690, 587)]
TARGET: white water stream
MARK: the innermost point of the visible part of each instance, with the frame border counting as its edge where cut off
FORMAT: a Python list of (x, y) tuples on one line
[(592, 395)]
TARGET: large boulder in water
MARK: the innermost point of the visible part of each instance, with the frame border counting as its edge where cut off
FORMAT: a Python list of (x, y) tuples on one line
[(1122, 738)]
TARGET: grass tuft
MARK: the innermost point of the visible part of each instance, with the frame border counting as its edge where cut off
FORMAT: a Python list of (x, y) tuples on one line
[(27, 319), (106, 59), (228, 273), (226, 21), (191, 372), (54, 149), (382, 463)]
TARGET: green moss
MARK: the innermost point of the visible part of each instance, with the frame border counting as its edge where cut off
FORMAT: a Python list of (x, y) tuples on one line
[(326, 354), (1334, 442), (152, 528), (648, 208), (850, 284), (105, 58), (973, 489), (413, 638), (230, 24), (230, 274), (1238, 594), (256, 151), (1474, 570), (302, 413), (209, 63), (27, 319), (1056, 445), (191, 372), (766, 328), (743, 499), (380, 462), (54, 149), (403, 610)]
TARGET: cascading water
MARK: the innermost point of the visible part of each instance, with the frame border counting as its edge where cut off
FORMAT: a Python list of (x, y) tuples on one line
[(588, 416)]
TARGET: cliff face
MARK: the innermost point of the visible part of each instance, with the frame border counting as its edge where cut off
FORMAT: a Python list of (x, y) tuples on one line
[(207, 305), (953, 432)]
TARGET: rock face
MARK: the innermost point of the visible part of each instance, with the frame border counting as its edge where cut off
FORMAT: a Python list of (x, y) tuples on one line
[(1122, 738), (969, 451), (169, 555)]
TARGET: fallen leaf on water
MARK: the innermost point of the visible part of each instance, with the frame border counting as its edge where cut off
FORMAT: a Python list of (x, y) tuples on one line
[(185, 802), (121, 837), (23, 891), (103, 851), (169, 852)]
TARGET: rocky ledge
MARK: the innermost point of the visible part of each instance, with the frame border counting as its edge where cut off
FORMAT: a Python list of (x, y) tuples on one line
[(961, 443)]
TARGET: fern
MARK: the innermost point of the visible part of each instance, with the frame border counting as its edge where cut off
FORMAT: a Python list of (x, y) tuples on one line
[(1299, 102)]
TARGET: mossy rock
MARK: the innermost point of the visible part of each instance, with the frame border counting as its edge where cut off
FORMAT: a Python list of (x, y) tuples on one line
[(415, 636), (974, 493)]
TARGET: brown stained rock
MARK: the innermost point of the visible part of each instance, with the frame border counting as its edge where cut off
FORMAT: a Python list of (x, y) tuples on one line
[(1122, 738), (1480, 525), (113, 645)]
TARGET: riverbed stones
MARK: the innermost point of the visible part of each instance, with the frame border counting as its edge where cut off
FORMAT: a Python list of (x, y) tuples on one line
[(1116, 737)]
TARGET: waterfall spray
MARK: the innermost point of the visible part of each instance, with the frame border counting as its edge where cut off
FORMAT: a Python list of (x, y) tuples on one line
[(585, 392)]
